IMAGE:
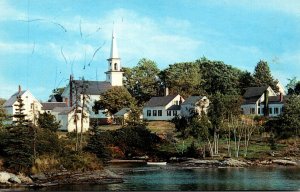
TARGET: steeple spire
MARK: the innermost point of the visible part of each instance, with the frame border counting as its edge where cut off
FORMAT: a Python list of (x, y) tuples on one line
[(114, 75), (114, 49)]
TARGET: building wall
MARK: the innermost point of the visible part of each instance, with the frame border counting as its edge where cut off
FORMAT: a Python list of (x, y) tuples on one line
[(163, 117), (275, 109), (67, 122)]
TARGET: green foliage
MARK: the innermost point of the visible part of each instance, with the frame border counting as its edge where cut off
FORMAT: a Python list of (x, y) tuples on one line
[(263, 77), (219, 77), (19, 141), (245, 80), (200, 129), (293, 86), (288, 123), (48, 121), (2, 113), (134, 140), (47, 142), (183, 78), (181, 124), (98, 143), (114, 100), (141, 81)]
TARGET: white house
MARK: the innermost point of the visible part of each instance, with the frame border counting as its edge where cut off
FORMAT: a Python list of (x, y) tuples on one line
[(114, 77), (31, 107), (65, 115), (194, 104), (254, 102), (162, 108)]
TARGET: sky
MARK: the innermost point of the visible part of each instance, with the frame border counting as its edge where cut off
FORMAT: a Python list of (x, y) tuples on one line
[(43, 42)]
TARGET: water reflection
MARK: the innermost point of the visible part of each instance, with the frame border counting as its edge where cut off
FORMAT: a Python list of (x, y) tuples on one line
[(148, 178)]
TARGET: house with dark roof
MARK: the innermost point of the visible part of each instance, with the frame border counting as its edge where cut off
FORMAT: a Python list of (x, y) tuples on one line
[(162, 108), (122, 116), (194, 104), (31, 107), (262, 101)]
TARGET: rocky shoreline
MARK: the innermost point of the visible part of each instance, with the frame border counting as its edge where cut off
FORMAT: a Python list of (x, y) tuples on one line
[(106, 176), (59, 178)]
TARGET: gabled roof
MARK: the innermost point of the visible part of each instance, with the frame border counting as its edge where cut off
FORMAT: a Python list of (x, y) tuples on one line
[(255, 91), (13, 99), (160, 101), (52, 105), (174, 107), (93, 87), (122, 111), (62, 110), (192, 100)]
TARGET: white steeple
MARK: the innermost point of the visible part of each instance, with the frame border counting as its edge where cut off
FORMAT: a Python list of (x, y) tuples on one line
[(114, 49), (114, 75)]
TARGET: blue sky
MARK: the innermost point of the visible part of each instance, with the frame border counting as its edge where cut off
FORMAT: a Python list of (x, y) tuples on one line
[(238, 32)]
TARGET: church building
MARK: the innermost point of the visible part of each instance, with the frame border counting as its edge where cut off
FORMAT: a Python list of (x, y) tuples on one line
[(114, 77)]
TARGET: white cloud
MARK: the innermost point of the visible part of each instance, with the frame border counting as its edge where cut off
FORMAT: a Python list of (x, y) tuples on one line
[(290, 7), (8, 12)]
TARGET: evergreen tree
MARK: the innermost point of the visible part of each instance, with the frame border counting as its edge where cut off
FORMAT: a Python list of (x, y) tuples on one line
[(20, 141), (48, 121), (263, 77)]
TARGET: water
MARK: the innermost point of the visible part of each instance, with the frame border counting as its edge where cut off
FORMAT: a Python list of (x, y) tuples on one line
[(152, 178)]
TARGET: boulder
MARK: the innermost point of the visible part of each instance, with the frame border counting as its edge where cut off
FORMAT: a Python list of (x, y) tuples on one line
[(24, 179), (14, 179), (4, 177), (284, 162), (234, 163)]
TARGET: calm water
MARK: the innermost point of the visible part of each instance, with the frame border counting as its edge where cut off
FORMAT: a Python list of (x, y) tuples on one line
[(152, 178)]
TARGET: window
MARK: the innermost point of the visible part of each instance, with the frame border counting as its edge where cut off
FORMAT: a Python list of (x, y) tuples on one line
[(154, 112), (252, 110), (31, 106), (159, 112), (276, 110), (258, 110), (271, 110), (169, 113), (78, 111), (148, 113), (116, 66), (174, 113)]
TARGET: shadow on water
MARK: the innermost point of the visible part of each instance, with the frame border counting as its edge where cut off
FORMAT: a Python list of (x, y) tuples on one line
[(151, 178)]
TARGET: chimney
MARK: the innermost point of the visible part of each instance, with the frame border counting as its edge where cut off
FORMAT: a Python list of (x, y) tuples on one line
[(280, 97), (19, 89), (166, 91)]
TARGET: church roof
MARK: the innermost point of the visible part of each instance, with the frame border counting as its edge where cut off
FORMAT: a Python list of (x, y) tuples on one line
[(160, 101), (52, 105), (94, 87), (13, 99)]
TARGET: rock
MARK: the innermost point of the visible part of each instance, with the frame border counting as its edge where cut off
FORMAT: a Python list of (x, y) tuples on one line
[(4, 177), (14, 179), (39, 176), (234, 163), (24, 179), (112, 174), (284, 162)]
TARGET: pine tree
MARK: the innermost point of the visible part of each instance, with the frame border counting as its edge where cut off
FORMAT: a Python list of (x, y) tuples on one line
[(20, 143), (263, 77)]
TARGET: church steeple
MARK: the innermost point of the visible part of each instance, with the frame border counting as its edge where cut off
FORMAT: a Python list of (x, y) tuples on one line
[(114, 75), (114, 49)]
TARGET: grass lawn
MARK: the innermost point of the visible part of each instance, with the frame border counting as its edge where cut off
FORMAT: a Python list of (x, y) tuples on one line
[(161, 127)]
